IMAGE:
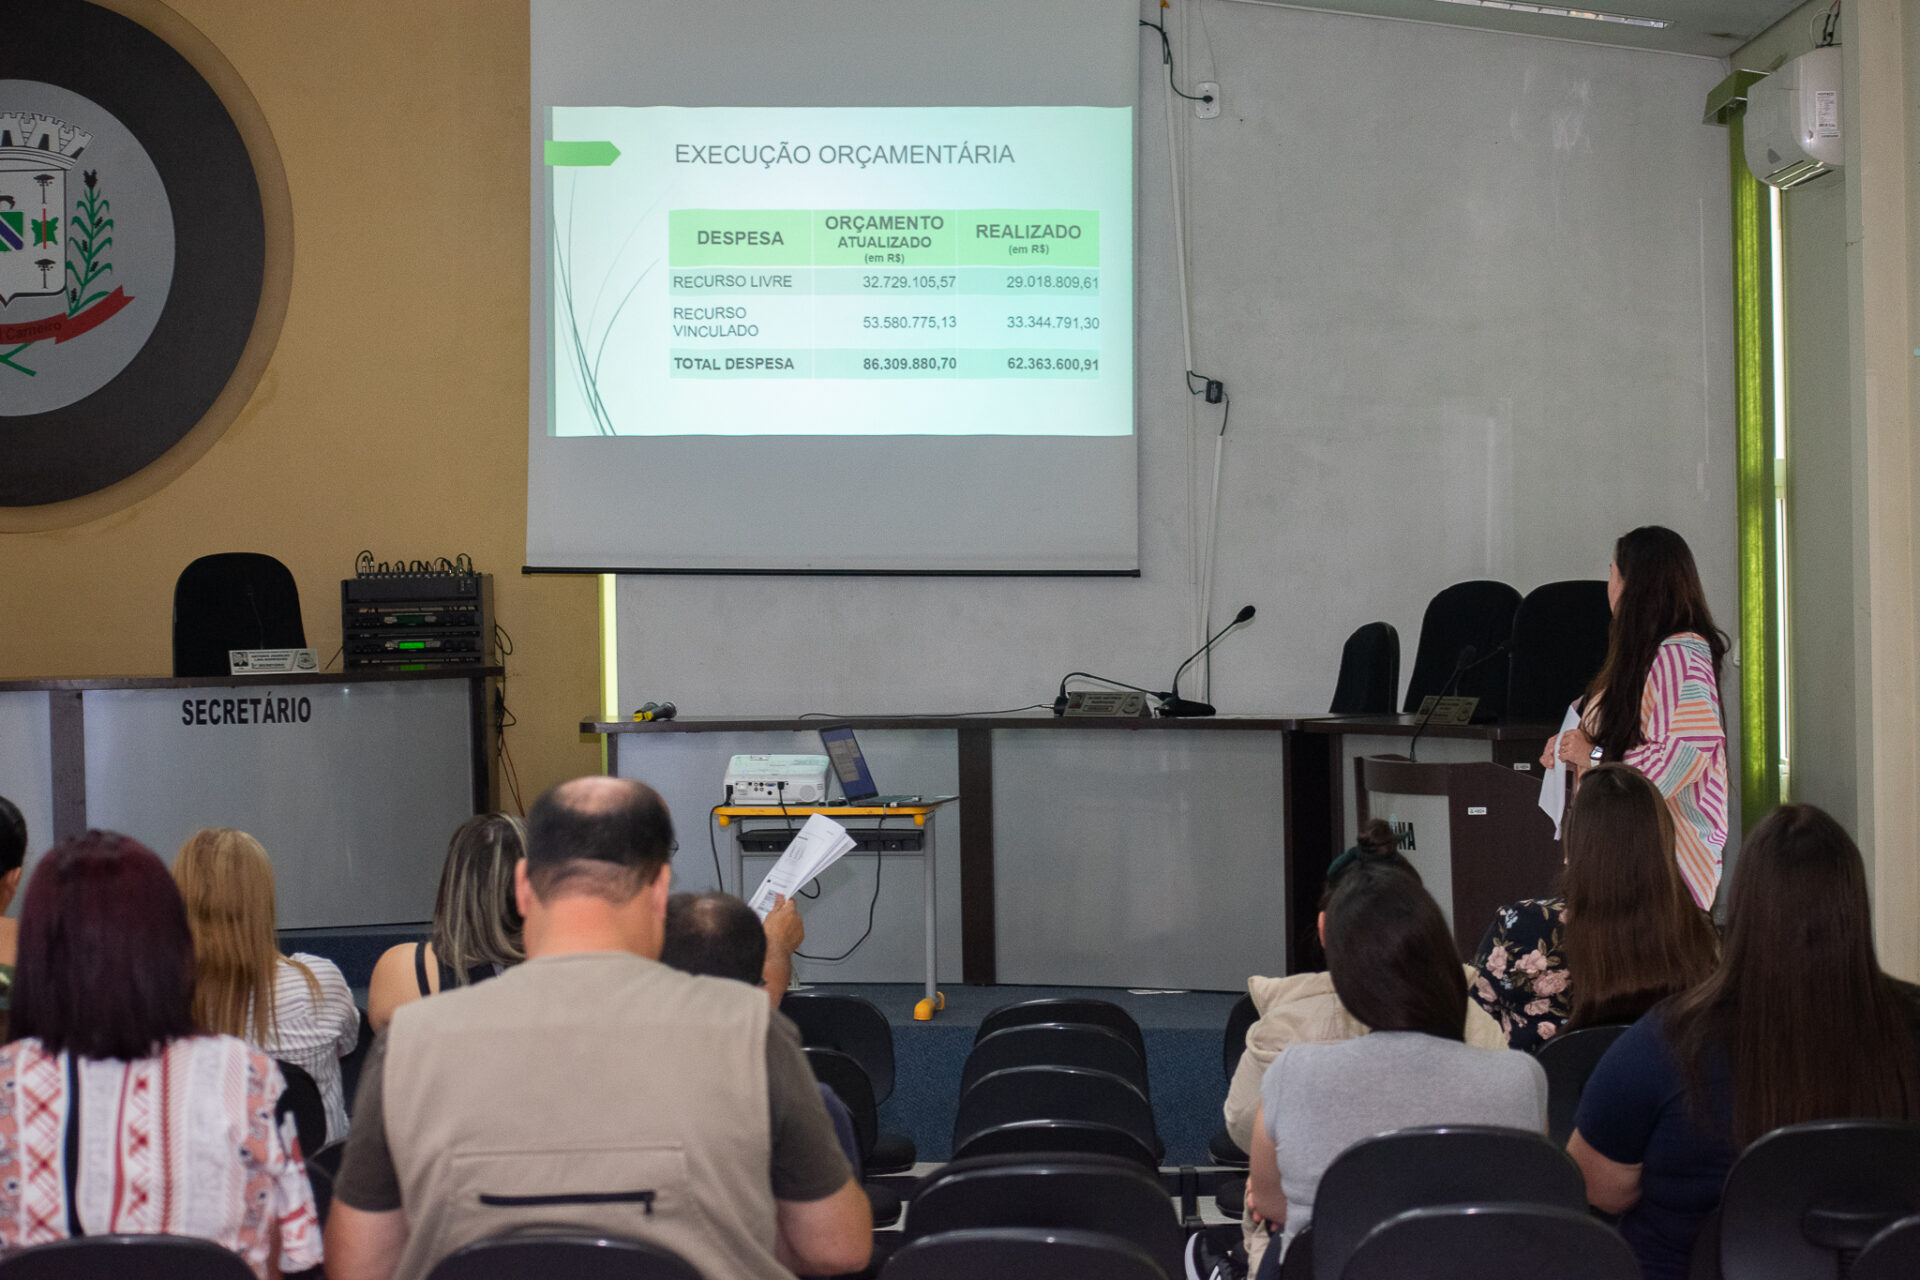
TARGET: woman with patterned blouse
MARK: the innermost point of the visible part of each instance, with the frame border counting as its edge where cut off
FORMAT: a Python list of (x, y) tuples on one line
[(1623, 936), (1656, 702), (116, 1114)]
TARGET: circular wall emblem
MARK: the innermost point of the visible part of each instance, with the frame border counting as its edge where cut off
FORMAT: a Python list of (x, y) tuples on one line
[(132, 250), (86, 247)]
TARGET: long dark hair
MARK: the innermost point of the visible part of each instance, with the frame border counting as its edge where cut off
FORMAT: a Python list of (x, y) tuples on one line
[(476, 919), (1809, 1026), (1633, 934), (1660, 596), (1391, 955), (105, 964)]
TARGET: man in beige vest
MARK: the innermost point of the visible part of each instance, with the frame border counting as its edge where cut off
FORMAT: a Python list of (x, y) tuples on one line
[(592, 1088)]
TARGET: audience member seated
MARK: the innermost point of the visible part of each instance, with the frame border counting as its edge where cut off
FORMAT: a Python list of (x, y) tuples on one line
[(171, 1132), (476, 924), (1624, 935), (1304, 1008), (594, 1088), (718, 935), (1395, 969), (296, 1008), (715, 935), (13, 856), (1798, 1023)]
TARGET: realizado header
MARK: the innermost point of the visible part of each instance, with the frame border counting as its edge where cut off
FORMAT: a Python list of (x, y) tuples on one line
[(769, 154)]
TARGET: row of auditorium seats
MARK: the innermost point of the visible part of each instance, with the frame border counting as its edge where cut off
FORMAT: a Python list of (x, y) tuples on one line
[(1824, 1199), (1529, 657)]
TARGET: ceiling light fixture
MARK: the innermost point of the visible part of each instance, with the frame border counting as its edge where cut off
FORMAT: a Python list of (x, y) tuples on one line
[(1561, 11)]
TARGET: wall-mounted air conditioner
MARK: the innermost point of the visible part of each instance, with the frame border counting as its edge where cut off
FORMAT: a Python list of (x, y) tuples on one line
[(1793, 121)]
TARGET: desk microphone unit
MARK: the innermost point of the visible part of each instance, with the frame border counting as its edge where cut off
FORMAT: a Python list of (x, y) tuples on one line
[(1171, 703)]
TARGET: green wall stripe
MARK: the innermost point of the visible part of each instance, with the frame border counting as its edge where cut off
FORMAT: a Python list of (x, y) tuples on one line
[(1754, 484)]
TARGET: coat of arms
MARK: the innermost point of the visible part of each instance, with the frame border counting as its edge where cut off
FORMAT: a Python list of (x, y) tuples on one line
[(56, 229)]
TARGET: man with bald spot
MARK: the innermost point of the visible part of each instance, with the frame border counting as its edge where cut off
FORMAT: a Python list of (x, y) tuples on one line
[(594, 1088)]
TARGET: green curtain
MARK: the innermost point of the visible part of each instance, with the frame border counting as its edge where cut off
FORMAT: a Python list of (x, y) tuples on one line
[(1759, 640)]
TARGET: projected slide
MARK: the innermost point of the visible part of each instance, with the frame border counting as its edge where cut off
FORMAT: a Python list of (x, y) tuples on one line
[(840, 271)]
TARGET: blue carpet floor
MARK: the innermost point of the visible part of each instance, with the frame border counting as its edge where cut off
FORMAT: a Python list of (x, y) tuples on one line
[(1182, 1032)]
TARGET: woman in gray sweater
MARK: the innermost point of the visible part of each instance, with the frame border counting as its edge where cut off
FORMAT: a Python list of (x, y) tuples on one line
[(1395, 969)]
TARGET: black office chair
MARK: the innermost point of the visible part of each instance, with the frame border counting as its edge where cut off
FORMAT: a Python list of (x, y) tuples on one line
[(1031, 1138), (1804, 1199), (543, 1256), (840, 1073), (117, 1257), (1469, 1241), (1559, 644), (323, 1170), (1222, 1147), (1894, 1254), (236, 600), (854, 1026), (1021, 1253), (1369, 672), (1084, 1193), (351, 1063), (1055, 1044), (1569, 1059), (1055, 1093), (1099, 1013), (1418, 1168), (880, 1152), (1467, 614), (301, 1099)]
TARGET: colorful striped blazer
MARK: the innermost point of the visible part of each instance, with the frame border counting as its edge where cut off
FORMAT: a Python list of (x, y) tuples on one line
[(1684, 752)]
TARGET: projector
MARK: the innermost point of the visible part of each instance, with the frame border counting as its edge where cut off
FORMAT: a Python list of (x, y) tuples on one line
[(759, 779)]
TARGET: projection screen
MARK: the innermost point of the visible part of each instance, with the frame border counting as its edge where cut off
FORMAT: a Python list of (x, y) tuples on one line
[(833, 286)]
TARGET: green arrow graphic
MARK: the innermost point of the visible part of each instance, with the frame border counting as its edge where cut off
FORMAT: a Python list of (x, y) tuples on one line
[(582, 154)]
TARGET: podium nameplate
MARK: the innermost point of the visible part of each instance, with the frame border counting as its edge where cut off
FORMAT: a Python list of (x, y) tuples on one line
[(1451, 710)]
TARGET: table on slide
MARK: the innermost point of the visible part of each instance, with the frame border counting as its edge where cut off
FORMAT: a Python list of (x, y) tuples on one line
[(922, 815), (866, 294)]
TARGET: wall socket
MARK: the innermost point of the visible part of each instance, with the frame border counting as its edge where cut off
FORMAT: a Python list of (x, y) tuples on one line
[(1204, 109)]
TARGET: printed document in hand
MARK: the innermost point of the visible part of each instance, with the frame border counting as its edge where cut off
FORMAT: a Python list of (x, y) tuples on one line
[(816, 846), (1553, 787)]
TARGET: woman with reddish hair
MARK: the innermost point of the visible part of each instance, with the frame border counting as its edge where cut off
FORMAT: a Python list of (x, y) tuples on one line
[(173, 1129)]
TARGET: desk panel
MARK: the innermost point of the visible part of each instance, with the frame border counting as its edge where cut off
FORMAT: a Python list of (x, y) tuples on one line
[(354, 790), (26, 768), (1139, 859)]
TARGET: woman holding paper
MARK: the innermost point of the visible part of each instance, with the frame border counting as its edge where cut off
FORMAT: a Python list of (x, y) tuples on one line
[(1656, 703)]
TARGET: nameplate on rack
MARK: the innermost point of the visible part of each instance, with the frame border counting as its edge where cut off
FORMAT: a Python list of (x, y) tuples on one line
[(1106, 702), (271, 662), (1453, 710)]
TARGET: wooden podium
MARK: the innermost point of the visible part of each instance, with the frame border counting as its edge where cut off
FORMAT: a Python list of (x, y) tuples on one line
[(1475, 832)]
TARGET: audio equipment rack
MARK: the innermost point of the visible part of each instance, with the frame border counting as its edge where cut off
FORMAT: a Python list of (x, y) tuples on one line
[(417, 621)]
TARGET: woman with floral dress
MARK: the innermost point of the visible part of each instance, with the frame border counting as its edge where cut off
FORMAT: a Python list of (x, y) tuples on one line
[(1624, 935)]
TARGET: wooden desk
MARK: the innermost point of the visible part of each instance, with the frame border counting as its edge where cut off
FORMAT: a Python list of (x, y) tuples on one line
[(1092, 851)]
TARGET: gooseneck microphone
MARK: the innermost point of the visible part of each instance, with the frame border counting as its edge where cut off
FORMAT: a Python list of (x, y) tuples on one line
[(1171, 703), (1470, 657)]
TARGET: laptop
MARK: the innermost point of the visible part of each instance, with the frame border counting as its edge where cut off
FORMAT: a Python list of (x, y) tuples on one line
[(850, 766)]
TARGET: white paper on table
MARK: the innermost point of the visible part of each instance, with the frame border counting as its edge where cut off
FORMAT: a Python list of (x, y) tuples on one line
[(816, 846), (1553, 787)]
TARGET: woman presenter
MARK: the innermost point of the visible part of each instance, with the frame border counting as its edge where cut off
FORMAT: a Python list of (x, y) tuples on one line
[(1656, 702)]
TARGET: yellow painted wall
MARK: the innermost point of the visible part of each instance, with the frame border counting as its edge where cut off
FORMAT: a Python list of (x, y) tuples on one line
[(393, 414)]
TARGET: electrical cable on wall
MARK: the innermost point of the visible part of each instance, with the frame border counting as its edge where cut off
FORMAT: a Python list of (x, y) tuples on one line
[(503, 719)]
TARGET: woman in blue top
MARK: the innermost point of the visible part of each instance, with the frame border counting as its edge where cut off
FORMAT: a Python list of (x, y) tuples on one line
[(1798, 1023)]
